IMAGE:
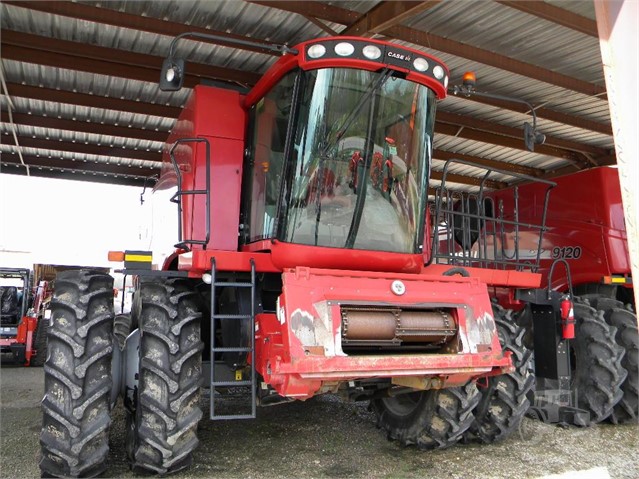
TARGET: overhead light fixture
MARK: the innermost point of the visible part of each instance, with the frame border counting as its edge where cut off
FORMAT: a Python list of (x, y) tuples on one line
[(438, 71)]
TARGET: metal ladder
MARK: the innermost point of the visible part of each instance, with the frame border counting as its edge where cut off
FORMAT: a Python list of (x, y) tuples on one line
[(252, 383)]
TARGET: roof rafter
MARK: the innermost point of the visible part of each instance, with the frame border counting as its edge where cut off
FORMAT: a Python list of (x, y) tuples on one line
[(467, 180), (136, 22), (508, 142), (88, 166), (544, 113), (77, 174), (92, 101), (491, 127), (443, 155), (556, 15), (386, 14), (108, 61), (88, 148), (88, 127)]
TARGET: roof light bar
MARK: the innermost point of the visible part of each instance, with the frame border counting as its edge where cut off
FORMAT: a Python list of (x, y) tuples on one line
[(420, 64), (371, 52), (316, 51), (344, 49)]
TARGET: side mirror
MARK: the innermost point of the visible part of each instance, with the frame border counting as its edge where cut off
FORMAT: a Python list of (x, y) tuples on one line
[(172, 75), (532, 137)]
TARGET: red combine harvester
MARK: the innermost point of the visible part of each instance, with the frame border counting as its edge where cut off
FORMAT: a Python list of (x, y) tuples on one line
[(590, 235), (24, 317), (306, 261)]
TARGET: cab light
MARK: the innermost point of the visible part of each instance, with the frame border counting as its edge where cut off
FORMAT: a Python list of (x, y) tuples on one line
[(316, 51), (420, 64), (438, 71), (371, 52), (344, 49)]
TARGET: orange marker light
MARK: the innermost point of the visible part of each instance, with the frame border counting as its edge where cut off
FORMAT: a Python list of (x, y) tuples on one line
[(469, 79), (116, 256)]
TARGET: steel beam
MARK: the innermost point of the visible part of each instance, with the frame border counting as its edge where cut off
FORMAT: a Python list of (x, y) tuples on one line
[(74, 174), (555, 14), (108, 16), (80, 165), (88, 127), (544, 113), (509, 142), (92, 101), (386, 14), (468, 180), (114, 60), (444, 155), (104, 150), (483, 125)]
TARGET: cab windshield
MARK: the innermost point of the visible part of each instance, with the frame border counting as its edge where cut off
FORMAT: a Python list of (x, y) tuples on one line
[(359, 164)]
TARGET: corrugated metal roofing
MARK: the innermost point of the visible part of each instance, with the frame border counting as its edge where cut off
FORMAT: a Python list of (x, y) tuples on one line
[(490, 26)]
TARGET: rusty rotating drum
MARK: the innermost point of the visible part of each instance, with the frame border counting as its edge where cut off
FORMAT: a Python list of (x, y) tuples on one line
[(394, 326)]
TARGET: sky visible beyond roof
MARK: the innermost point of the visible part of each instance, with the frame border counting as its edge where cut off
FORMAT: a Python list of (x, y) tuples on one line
[(66, 222)]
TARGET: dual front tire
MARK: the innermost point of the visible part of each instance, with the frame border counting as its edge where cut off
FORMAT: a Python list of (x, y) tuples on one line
[(437, 419), (78, 381)]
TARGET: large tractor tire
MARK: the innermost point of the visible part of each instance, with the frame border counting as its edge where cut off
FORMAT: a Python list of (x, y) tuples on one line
[(77, 376), (596, 363), (40, 343), (504, 399), (618, 316), (433, 419), (163, 428)]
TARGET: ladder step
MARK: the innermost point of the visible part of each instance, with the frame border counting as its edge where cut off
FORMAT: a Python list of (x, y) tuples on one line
[(234, 285), (252, 382), (232, 350), (222, 417), (231, 383)]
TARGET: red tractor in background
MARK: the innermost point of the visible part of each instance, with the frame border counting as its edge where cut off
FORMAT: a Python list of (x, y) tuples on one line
[(586, 368), (24, 316), (287, 287)]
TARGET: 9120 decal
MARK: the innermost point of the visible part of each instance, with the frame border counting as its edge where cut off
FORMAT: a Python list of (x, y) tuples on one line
[(566, 252)]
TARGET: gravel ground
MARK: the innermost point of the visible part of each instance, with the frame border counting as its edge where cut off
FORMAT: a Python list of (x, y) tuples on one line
[(327, 438)]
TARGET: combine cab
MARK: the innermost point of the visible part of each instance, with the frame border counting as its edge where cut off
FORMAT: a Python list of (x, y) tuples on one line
[(304, 260)]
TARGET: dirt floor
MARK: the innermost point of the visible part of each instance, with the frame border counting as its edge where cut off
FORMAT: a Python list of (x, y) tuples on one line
[(326, 438)]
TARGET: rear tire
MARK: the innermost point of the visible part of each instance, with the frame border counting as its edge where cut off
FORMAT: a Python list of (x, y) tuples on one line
[(163, 430), (77, 376), (616, 315), (40, 343), (597, 370), (121, 329), (433, 419), (505, 400)]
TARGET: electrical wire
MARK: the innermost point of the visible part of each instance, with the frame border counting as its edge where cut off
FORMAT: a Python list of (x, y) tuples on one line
[(11, 107)]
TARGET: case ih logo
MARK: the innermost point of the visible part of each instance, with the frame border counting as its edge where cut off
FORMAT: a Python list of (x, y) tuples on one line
[(398, 56)]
